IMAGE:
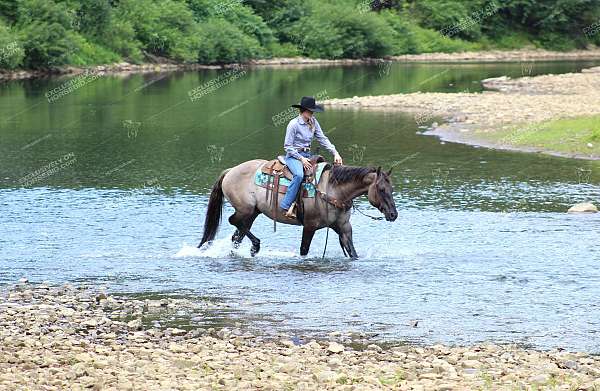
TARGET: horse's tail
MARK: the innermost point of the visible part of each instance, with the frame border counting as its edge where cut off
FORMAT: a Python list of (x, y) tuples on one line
[(214, 212)]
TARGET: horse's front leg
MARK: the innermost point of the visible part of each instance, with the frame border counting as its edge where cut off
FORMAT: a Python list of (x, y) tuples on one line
[(345, 233), (307, 237)]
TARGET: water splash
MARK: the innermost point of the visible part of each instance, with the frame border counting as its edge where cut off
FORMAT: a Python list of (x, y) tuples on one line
[(223, 248)]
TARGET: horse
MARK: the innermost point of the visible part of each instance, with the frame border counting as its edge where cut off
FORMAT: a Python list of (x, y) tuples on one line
[(336, 190)]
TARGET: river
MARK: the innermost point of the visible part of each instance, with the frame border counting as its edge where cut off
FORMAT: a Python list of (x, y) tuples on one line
[(108, 186)]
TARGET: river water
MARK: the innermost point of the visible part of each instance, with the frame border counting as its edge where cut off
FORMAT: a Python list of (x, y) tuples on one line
[(108, 186)]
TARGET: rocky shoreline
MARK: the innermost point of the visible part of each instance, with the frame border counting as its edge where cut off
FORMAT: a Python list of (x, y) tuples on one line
[(64, 337), (523, 55), (507, 104), (295, 62)]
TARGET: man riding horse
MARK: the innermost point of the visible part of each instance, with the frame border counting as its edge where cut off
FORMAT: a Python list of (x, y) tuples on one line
[(298, 138)]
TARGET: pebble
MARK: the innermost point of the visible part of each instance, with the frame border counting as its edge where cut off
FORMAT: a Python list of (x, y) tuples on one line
[(135, 324), (539, 379), (61, 342)]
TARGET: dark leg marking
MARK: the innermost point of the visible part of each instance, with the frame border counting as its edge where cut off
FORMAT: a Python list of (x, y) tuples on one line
[(237, 238), (243, 223), (307, 237)]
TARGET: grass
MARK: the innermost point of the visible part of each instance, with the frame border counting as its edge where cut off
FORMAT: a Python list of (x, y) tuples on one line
[(574, 136)]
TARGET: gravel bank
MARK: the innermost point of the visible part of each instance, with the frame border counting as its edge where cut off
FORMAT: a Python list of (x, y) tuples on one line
[(502, 55), (56, 338), (506, 103)]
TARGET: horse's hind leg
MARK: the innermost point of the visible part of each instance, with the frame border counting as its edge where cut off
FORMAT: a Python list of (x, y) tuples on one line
[(243, 223), (237, 238), (255, 243)]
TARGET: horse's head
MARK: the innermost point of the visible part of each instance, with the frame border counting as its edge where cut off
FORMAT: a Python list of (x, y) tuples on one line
[(381, 195)]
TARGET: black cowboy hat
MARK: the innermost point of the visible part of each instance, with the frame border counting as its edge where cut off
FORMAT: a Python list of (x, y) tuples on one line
[(308, 103)]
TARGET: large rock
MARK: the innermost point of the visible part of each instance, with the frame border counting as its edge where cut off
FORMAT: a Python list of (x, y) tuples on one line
[(335, 347), (584, 207), (591, 70)]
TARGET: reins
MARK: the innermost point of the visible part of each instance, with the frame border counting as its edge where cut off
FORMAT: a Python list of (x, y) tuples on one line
[(364, 214)]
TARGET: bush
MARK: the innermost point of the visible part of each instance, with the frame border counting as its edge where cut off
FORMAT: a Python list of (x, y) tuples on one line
[(405, 43), (93, 17), (440, 14), (11, 51), (9, 10), (222, 42), (45, 44), (431, 41), (43, 29), (123, 40), (85, 52), (286, 49), (339, 30), (164, 27), (106, 31)]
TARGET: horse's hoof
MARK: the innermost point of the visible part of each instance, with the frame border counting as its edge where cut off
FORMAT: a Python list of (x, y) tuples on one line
[(254, 250)]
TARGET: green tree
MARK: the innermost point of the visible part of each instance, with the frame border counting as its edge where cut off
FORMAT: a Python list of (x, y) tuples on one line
[(94, 17), (43, 26), (11, 51), (9, 10), (222, 42)]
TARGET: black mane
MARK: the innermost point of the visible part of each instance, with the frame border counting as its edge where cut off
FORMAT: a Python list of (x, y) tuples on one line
[(343, 174)]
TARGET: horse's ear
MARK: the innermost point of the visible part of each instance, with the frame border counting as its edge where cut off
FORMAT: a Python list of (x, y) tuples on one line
[(390, 171), (378, 170)]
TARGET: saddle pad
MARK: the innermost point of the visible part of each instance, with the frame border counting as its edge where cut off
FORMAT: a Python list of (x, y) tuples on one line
[(262, 179)]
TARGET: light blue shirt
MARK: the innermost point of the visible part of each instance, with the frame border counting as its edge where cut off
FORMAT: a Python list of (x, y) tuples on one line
[(298, 135)]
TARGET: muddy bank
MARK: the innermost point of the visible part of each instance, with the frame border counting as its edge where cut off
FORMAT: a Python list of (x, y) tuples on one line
[(299, 62), (66, 337), (508, 105)]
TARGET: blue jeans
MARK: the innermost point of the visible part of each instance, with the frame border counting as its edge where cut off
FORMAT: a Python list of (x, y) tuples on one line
[(297, 170)]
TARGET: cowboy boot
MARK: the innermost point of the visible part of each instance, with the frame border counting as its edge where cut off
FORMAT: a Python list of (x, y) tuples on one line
[(291, 212)]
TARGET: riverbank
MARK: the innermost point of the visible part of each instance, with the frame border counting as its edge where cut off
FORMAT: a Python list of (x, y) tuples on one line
[(524, 55), (505, 113), (65, 337)]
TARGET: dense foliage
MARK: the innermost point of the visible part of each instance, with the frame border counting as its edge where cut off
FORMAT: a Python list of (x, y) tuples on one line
[(47, 33)]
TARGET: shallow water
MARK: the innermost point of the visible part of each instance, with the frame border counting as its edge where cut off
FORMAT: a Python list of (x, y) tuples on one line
[(482, 249)]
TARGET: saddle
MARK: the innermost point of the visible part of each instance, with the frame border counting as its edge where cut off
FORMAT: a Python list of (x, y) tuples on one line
[(277, 167)]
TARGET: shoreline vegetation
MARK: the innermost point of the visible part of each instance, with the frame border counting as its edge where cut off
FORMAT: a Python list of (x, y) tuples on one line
[(59, 337), (43, 35), (551, 114), (497, 56)]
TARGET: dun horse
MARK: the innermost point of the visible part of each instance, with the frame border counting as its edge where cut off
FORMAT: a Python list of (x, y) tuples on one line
[(338, 186)]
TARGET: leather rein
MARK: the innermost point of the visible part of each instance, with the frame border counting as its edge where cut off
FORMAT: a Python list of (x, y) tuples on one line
[(343, 205)]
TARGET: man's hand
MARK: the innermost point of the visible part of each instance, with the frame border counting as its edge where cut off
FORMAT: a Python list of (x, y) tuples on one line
[(306, 163), (337, 159)]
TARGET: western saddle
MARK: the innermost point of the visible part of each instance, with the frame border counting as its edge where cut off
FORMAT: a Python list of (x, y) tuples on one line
[(277, 168)]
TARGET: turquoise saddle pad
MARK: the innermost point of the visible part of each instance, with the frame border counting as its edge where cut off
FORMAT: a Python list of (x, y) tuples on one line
[(261, 179)]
